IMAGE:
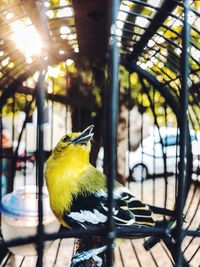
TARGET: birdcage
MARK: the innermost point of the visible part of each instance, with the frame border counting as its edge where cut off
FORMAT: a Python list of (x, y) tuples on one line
[(130, 68)]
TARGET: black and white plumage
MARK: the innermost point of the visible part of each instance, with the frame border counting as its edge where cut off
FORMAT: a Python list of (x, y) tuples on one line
[(90, 211)]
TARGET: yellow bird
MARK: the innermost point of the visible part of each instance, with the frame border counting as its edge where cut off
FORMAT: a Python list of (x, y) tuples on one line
[(78, 194)]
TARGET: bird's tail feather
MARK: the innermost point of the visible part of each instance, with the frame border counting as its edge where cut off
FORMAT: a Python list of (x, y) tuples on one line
[(142, 213)]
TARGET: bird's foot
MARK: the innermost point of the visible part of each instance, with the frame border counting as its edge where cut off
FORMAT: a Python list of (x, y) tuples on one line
[(90, 254)]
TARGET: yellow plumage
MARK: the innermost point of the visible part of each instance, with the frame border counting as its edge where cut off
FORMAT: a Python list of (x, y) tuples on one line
[(67, 173), (78, 190)]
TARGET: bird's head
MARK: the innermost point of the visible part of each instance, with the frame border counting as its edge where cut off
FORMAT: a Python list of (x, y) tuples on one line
[(75, 142)]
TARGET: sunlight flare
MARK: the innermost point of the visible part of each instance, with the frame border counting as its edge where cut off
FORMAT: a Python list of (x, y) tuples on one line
[(26, 38)]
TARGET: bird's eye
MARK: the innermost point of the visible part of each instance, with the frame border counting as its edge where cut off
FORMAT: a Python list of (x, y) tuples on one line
[(66, 138)]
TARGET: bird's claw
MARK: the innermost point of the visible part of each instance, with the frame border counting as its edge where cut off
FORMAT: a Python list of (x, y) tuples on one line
[(86, 255), (98, 260)]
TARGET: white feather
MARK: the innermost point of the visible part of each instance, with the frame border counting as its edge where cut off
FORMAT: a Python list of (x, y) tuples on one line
[(88, 216), (102, 217), (77, 216)]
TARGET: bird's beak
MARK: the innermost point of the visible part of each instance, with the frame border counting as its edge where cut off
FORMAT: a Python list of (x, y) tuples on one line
[(84, 137)]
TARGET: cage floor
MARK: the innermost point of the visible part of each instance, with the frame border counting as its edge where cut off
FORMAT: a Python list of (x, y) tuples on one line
[(131, 252)]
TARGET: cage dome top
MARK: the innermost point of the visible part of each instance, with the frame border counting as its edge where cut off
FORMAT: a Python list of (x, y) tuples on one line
[(149, 36)]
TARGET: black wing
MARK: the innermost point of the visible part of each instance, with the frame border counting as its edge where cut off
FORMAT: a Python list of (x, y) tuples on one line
[(142, 212), (90, 211), (86, 212)]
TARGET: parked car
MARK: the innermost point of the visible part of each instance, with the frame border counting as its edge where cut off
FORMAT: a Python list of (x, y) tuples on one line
[(148, 159)]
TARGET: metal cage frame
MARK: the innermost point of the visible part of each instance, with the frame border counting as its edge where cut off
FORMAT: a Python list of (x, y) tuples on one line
[(180, 109)]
